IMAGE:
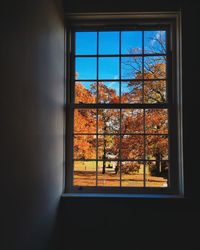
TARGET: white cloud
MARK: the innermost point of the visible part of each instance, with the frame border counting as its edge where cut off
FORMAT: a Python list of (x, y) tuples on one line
[(160, 33)]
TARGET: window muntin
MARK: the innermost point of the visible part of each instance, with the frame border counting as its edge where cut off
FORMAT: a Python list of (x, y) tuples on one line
[(147, 90)]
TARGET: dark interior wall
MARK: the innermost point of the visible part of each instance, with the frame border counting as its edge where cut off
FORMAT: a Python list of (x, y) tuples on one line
[(32, 98), (32, 74)]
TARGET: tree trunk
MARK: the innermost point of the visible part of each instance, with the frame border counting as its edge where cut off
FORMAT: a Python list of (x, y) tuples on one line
[(104, 156), (158, 163), (117, 168), (104, 167)]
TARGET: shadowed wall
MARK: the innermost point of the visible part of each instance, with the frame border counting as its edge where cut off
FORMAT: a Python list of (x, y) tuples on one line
[(32, 97)]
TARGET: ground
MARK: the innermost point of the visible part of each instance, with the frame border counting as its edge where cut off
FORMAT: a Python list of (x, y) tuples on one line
[(87, 177)]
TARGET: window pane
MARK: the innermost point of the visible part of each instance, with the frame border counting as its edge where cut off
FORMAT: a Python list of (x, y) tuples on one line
[(155, 42), (85, 92), (86, 68), (132, 121), (108, 92), (131, 67), (108, 68), (131, 92), (85, 121), (108, 147), (115, 144), (86, 43), (108, 174), (85, 173), (132, 147), (156, 121), (132, 174), (108, 120), (157, 173), (155, 67), (156, 147), (84, 147), (131, 42), (155, 91), (108, 43)]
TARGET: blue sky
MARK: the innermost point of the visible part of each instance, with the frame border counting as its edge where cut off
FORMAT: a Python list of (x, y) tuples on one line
[(109, 44)]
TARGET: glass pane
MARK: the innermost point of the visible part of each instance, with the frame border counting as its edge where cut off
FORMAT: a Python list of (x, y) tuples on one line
[(85, 121), (132, 121), (156, 147), (86, 68), (108, 42), (84, 147), (155, 67), (156, 121), (132, 147), (108, 174), (131, 67), (131, 92), (157, 173), (108, 147), (108, 92), (131, 42), (155, 42), (108, 120), (155, 91), (86, 43), (85, 92), (109, 68), (84, 173), (132, 174)]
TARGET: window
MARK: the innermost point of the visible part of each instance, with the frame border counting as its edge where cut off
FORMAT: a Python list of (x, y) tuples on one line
[(123, 106)]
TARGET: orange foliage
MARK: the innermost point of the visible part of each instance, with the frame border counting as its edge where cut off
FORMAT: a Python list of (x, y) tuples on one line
[(83, 95), (133, 121)]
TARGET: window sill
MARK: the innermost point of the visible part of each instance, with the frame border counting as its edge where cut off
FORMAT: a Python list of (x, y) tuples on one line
[(134, 196)]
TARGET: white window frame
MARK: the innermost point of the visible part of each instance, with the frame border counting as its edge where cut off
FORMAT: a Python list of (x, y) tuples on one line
[(85, 21)]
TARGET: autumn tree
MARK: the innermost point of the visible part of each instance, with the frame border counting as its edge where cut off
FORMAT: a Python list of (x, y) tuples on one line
[(84, 123), (83, 95), (153, 91), (108, 123)]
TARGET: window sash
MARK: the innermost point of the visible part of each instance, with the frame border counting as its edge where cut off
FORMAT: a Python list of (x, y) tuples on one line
[(168, 105)]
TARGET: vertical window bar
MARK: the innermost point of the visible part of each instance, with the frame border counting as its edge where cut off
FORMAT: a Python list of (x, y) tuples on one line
[(97, 110), (168, 62), (120, 117), (169, 98), (143, 66), (144, 122), (71, 108)]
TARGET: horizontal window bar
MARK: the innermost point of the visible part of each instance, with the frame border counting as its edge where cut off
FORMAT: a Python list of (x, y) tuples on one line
[(147, 192), (121, 106), (123, 80), (121, 55), (115, 134), (120, 80), (117, 159)]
